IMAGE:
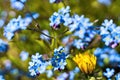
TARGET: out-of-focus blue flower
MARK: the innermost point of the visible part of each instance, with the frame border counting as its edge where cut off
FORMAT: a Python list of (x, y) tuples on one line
[(3, 46), (17, 4), (59, 59), (14, 71), (107, 53), (110, 34), (59, 17), (105, 2), (49, 73), (24, 55), (7, 64), (37, 65), (1, 22), (55, 1), (109, 72), (1, 77), (42, 36), (3, 16), (73, 73), (62, 76), (117, 76)]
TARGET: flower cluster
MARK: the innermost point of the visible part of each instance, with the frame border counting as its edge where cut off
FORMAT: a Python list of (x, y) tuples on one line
[(109, 54), (59, 59), (59, 17), (18, 24), (17, 4), (3, 46), (86, 62), (38, 65), (82, 29), (110, 33)]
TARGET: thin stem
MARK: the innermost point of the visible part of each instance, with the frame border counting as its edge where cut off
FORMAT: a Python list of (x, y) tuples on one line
[(33, 29)]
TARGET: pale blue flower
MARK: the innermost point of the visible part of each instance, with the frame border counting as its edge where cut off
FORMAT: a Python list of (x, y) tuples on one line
[(117, 76), (62, 76), (18, 5), (109, 72), (1, 77), (3, 46), (24, 55)]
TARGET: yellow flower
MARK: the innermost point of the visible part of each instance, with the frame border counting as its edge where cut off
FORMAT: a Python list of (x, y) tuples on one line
[(86, 62)]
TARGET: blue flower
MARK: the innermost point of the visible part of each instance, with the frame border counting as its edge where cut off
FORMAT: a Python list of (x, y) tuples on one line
[(62, 76), (24, 55), (59, 59), (109, 72), (117, 76), (3, 46), (73, 73), (37, 65), (17, 4), (49, 73), (1, 77), (45, 37)]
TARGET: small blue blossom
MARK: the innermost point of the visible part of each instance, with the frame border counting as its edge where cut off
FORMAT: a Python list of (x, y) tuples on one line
[(1, 77), (49, 73), (7, 64), (45, 37), (37, 65), (1, 22), (105, 2), (24, 55), (3, 16), (17, 4), (117, 76), (73, 73), (3, 46), (59, 17), (109, 73), (59, 59), (83, 30), (62, 76)]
